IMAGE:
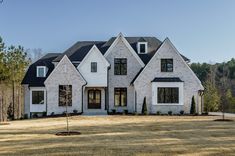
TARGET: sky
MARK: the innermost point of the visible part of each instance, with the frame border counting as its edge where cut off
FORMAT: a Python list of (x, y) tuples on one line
[(202, 30)]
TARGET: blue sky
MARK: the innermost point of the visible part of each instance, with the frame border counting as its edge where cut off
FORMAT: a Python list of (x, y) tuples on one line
[(203, 30)]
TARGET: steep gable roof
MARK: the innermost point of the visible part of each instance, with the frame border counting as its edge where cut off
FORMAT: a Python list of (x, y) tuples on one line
[(30, 76), (79, 50), (121, 37)]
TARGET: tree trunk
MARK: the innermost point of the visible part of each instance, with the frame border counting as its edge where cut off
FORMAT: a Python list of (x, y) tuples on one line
[(1, 109), (13, 99)]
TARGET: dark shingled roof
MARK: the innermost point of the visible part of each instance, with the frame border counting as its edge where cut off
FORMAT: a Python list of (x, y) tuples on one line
[(153, 45), (167, 79), (78, 51), (30, 76)]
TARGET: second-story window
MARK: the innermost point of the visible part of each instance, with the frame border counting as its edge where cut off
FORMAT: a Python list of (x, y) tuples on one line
[(41, 71), (93, 67), (120, 66), (166, 65), (142, 47)]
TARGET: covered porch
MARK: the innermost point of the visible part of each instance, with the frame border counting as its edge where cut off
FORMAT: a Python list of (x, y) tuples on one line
[(94, 101)]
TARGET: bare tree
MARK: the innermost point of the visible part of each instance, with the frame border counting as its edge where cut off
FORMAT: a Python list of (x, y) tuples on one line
[(66, 99)]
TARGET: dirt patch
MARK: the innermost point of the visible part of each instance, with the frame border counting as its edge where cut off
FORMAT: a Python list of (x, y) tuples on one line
[(225, 120), (68, 133)]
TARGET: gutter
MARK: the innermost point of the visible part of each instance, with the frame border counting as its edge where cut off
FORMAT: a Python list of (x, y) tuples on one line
[(82, 95)]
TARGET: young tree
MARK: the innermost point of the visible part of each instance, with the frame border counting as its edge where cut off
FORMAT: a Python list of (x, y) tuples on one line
[(211, 97), (193, 106), (66, 99), (17, 62), (144, 108)]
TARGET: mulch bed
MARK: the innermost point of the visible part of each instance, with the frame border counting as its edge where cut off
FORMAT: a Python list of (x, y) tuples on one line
[(223, 120), (68, 133)]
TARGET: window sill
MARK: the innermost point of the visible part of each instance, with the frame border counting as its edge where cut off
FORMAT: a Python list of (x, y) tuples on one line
[(37, 103), (168, 104)]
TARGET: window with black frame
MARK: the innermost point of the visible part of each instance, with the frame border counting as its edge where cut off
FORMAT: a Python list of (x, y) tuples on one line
[(120, 66), (65, 95), (168, 95), (37, 97), (93, 67), (166, 65), (120, 97)]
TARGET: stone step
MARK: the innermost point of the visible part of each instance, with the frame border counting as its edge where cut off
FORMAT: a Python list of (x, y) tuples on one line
[(95, 113)]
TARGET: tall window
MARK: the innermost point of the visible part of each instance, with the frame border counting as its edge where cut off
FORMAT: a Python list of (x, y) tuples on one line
[(120, 66), (168, 95), (41, 71), (37, 97), (120, 97), (167, 65), (93, 67), (65, 95)]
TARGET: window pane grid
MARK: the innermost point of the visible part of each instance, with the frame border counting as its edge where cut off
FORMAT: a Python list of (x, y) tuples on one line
[(167, 65), (120, 66), (65, 95), (120, 97), (168, 95), (93, 66), (37, 97)]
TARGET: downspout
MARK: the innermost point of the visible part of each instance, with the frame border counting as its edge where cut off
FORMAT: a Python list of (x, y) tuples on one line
[(46, 100), (82, 95), (107, 90)]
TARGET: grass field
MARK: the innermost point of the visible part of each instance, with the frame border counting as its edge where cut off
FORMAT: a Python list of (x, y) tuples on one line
[(120, 135)]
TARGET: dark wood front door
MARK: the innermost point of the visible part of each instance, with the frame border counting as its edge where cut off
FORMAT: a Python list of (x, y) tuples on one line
[(94, 99)]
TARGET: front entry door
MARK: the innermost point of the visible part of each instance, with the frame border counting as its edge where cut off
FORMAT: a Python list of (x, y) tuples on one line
[(94, 99)]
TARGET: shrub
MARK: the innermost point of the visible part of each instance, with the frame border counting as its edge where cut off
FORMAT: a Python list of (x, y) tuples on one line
[(125, 111), (193, 105), (52, 113), (35, 115), (113, 111), (169, 112), (159, 113), (75, 111), (44, 114), (64, 113), (144, 108), (26, 116), (135, 113), (182, 112)]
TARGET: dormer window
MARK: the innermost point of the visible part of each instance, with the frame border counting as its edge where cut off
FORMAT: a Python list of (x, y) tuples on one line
[(142, 47), (41, 71)]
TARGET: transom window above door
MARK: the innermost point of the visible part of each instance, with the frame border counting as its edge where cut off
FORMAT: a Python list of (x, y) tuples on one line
[(166, 65)]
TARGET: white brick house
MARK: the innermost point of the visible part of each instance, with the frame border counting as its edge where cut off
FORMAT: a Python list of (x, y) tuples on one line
[(103, 76)]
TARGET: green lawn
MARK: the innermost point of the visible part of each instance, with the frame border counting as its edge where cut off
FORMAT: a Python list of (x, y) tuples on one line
[(120, 135)]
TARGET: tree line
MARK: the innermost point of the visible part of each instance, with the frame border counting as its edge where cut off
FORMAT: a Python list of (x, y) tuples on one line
[(13, 64), (219, 82)]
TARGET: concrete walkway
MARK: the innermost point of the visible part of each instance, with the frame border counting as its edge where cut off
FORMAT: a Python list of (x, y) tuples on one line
[(220, 114)]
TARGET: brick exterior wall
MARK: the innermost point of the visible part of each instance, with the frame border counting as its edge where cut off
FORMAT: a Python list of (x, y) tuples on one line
[(64, 74), (133, 67), (143, 84)]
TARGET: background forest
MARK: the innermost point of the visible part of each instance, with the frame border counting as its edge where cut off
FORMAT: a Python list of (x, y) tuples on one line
[(218, 80)]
